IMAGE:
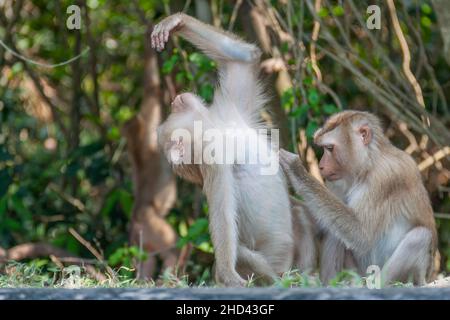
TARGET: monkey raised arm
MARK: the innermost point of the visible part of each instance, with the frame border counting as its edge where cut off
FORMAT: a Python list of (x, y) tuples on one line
[(330, 211), (216, 43), (237, 61)]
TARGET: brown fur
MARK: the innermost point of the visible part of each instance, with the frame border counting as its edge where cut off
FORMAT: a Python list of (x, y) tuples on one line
[(385, 205)]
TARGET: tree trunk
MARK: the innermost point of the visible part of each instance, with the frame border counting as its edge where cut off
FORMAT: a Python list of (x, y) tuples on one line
[(154, 184)]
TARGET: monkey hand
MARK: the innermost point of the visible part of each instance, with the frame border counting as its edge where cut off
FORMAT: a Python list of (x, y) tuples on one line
[(292, 166), (162, 30), (289, 160)]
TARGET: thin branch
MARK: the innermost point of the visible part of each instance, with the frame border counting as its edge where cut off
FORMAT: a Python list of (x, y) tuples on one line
[(436, 157), (234, 14), (312, 46), (406, 53)]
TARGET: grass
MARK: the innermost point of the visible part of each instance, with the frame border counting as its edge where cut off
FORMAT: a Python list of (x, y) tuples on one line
[(36, 274)]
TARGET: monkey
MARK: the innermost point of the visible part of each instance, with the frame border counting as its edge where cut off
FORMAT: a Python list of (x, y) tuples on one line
[(250, 214), (377, 211)]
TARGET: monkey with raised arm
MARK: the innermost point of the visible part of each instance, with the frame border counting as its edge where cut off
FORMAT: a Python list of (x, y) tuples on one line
[(379, 211), (250, 218)]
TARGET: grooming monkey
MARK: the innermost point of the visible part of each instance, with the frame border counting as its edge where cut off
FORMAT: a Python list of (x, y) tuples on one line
[(376, 210), (250, 215)]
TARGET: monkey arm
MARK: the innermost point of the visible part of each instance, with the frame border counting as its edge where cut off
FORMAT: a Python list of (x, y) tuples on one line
[(329, 210), (216, 43), (239, 89)]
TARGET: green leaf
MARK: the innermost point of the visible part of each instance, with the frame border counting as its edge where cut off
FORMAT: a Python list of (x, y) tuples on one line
[(180, 76), (287, 99), (135, 252), (17, 67), (197, 228), (197, 233), (284, 47), (126, 201), (313, 97), (330, 109), (426, 22), (182, 242), (201, 61), (124, 114), (206, 247), (308, 81), (300, 111), (110, 201), (323, 12), (116, 257), (113, 134), (189, 76), (338, 11), (12, 225), (311, 128), (169, 64), (207, 92), (426, 8)]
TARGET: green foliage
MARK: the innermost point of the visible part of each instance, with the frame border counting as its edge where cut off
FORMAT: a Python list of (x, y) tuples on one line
[(126, 257), (338, 11), (198, 235), (347, 278), (294, 278)]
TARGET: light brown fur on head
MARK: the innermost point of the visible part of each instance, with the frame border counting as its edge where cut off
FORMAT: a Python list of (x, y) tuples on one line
[(346, 118)]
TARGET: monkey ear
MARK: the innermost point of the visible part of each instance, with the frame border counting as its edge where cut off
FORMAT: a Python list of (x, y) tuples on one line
[(366, 134), (176, 107), (177, 151)]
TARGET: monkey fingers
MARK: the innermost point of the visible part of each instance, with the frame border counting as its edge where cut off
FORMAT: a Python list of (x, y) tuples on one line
[(161, 32)]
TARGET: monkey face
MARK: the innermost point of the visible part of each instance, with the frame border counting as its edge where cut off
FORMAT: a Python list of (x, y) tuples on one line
[(330, 169), (346, 145), (329, 165), (176, 134)]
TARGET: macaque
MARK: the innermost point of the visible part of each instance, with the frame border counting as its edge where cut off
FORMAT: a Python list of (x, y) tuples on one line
[(250, 217), (378, 211)]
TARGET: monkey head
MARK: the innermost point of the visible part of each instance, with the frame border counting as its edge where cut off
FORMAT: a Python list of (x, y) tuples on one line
[(349, 140), (176, 134)]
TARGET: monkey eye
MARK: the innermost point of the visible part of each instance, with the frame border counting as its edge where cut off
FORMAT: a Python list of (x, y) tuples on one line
[(329, 147)]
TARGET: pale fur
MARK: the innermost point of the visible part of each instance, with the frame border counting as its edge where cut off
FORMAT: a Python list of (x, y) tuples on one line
[(249, 213)]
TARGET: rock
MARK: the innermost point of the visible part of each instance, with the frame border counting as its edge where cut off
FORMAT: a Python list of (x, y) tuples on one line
[(225, 294)]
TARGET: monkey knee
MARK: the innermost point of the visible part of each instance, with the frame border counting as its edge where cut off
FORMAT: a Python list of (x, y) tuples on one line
[(419, 239)]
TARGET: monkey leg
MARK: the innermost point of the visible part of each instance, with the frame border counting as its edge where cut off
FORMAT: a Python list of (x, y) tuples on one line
[(255, 262), (334, 258), (410, 258)]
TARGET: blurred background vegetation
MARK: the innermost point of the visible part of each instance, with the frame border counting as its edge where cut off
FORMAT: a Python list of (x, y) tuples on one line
[(81, 180)]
